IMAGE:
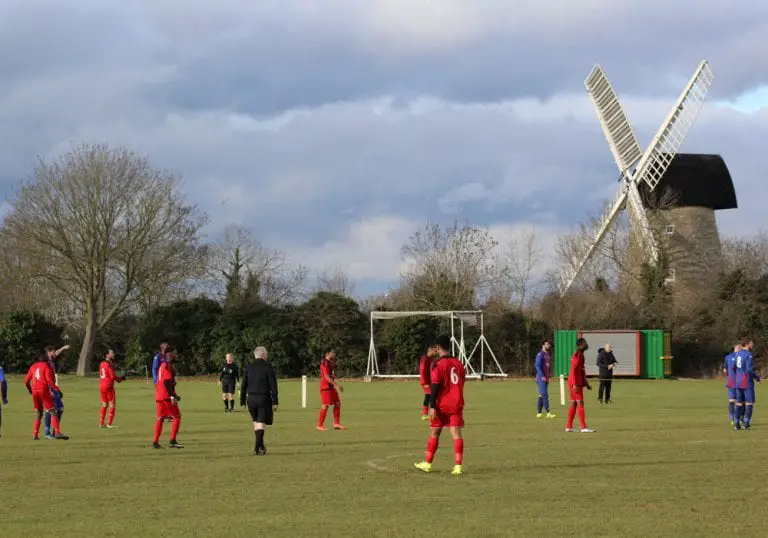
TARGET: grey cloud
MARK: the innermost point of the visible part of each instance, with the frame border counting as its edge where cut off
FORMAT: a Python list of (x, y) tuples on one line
[(274, 56), (301, 180)]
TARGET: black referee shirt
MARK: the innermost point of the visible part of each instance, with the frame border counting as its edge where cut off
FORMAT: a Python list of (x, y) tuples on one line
[(259, 380), (229, 373)]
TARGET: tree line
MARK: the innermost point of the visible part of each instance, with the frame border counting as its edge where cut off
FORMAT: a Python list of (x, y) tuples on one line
[(101, 249)]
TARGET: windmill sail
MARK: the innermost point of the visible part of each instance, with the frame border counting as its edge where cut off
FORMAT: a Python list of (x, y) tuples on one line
[(622, 141), (673, 131)]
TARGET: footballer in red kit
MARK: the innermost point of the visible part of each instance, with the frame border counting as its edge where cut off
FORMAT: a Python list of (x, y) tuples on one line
[(329, 392), (107, 380), (425, 369), (577, 380), (40, 383), (446, 405), (166, 402)]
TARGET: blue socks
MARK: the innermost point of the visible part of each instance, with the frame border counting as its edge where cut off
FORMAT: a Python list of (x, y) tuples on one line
[(47, 424), (748, 414), (546, 402), (539, 404), (731, 407)]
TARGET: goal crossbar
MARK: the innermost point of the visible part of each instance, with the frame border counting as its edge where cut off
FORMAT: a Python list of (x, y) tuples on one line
[(461, 318)]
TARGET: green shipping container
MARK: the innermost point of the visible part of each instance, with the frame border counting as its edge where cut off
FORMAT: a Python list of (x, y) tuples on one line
[(652, 348), (565, 345)]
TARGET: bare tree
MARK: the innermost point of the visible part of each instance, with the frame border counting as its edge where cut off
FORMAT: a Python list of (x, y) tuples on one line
[(271, 275), (451, 267), (335, 281), (106, 230), (749, 254), (522, 254)]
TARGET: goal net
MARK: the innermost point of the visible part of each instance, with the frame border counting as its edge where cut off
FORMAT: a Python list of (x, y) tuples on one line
[(468, 344)]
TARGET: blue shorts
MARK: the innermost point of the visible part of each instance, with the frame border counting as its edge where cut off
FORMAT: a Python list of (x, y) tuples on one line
[(58, 403), (746, 395), (543, 387), (732, 395)]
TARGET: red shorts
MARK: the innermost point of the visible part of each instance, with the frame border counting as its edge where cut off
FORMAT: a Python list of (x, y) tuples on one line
[(330, 397), (577, 393), (107, 395), (42, 401), (166, 409), (446, 420)]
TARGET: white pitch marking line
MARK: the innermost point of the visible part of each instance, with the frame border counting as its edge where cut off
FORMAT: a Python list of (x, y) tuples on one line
[(373, 464)]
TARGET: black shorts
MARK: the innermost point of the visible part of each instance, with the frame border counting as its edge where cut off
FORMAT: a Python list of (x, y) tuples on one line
[(227, 387), (260, 408)]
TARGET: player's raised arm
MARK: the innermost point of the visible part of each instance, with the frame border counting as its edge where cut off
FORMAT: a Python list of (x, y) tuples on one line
[(61, 350)]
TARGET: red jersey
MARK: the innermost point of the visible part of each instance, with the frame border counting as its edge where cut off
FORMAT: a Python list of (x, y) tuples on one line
[(107, 377), (425, 365), (578, 374), (165, 373), (326, 370), (448, 372), (40, 378)]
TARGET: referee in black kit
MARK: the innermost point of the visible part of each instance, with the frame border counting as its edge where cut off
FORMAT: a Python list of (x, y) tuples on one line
[(259, 384)]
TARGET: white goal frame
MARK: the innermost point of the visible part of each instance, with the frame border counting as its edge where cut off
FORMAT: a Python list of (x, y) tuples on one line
[(458, 345)]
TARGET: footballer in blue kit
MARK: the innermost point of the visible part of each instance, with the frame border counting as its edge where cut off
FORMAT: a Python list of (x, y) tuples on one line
[(745, 385), (543, 366), (4, 393), (729, 369)]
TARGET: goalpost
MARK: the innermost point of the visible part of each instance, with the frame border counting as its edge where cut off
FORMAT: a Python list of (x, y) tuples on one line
[(458, 345)]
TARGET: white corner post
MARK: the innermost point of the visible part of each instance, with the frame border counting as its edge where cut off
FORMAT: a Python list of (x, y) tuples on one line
[(303, 392), (562, 390)]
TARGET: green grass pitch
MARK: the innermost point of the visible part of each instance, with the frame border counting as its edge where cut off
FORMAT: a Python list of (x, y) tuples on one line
[(664, 462)]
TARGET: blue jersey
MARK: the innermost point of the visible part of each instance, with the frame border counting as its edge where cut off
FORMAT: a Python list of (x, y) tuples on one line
[(729, 365), (542, 365), (745, 370), (156, 362), (3, 386)]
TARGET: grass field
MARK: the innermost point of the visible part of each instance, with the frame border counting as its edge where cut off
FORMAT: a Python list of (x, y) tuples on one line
[(664, 462)]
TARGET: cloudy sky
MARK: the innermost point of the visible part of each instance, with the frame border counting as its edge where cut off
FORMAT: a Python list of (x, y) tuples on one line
[(335, 128)]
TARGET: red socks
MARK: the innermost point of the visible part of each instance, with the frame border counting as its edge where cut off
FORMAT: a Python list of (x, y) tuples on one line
[(432, 445), (571, 415), (158, 429), (111, 416), (425, 410), (336, 414), (36, 428), (102, 414), (321, 418), (175, 425), (458, 451), (55, 424), (582, 418)]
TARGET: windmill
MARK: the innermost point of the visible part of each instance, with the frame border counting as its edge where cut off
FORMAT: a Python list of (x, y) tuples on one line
[(643, 175)]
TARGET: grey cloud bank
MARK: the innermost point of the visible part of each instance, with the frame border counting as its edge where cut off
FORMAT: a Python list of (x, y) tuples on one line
[(324, 128)]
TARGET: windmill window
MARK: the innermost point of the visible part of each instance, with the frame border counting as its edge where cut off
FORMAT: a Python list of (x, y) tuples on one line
[(669, 229)]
